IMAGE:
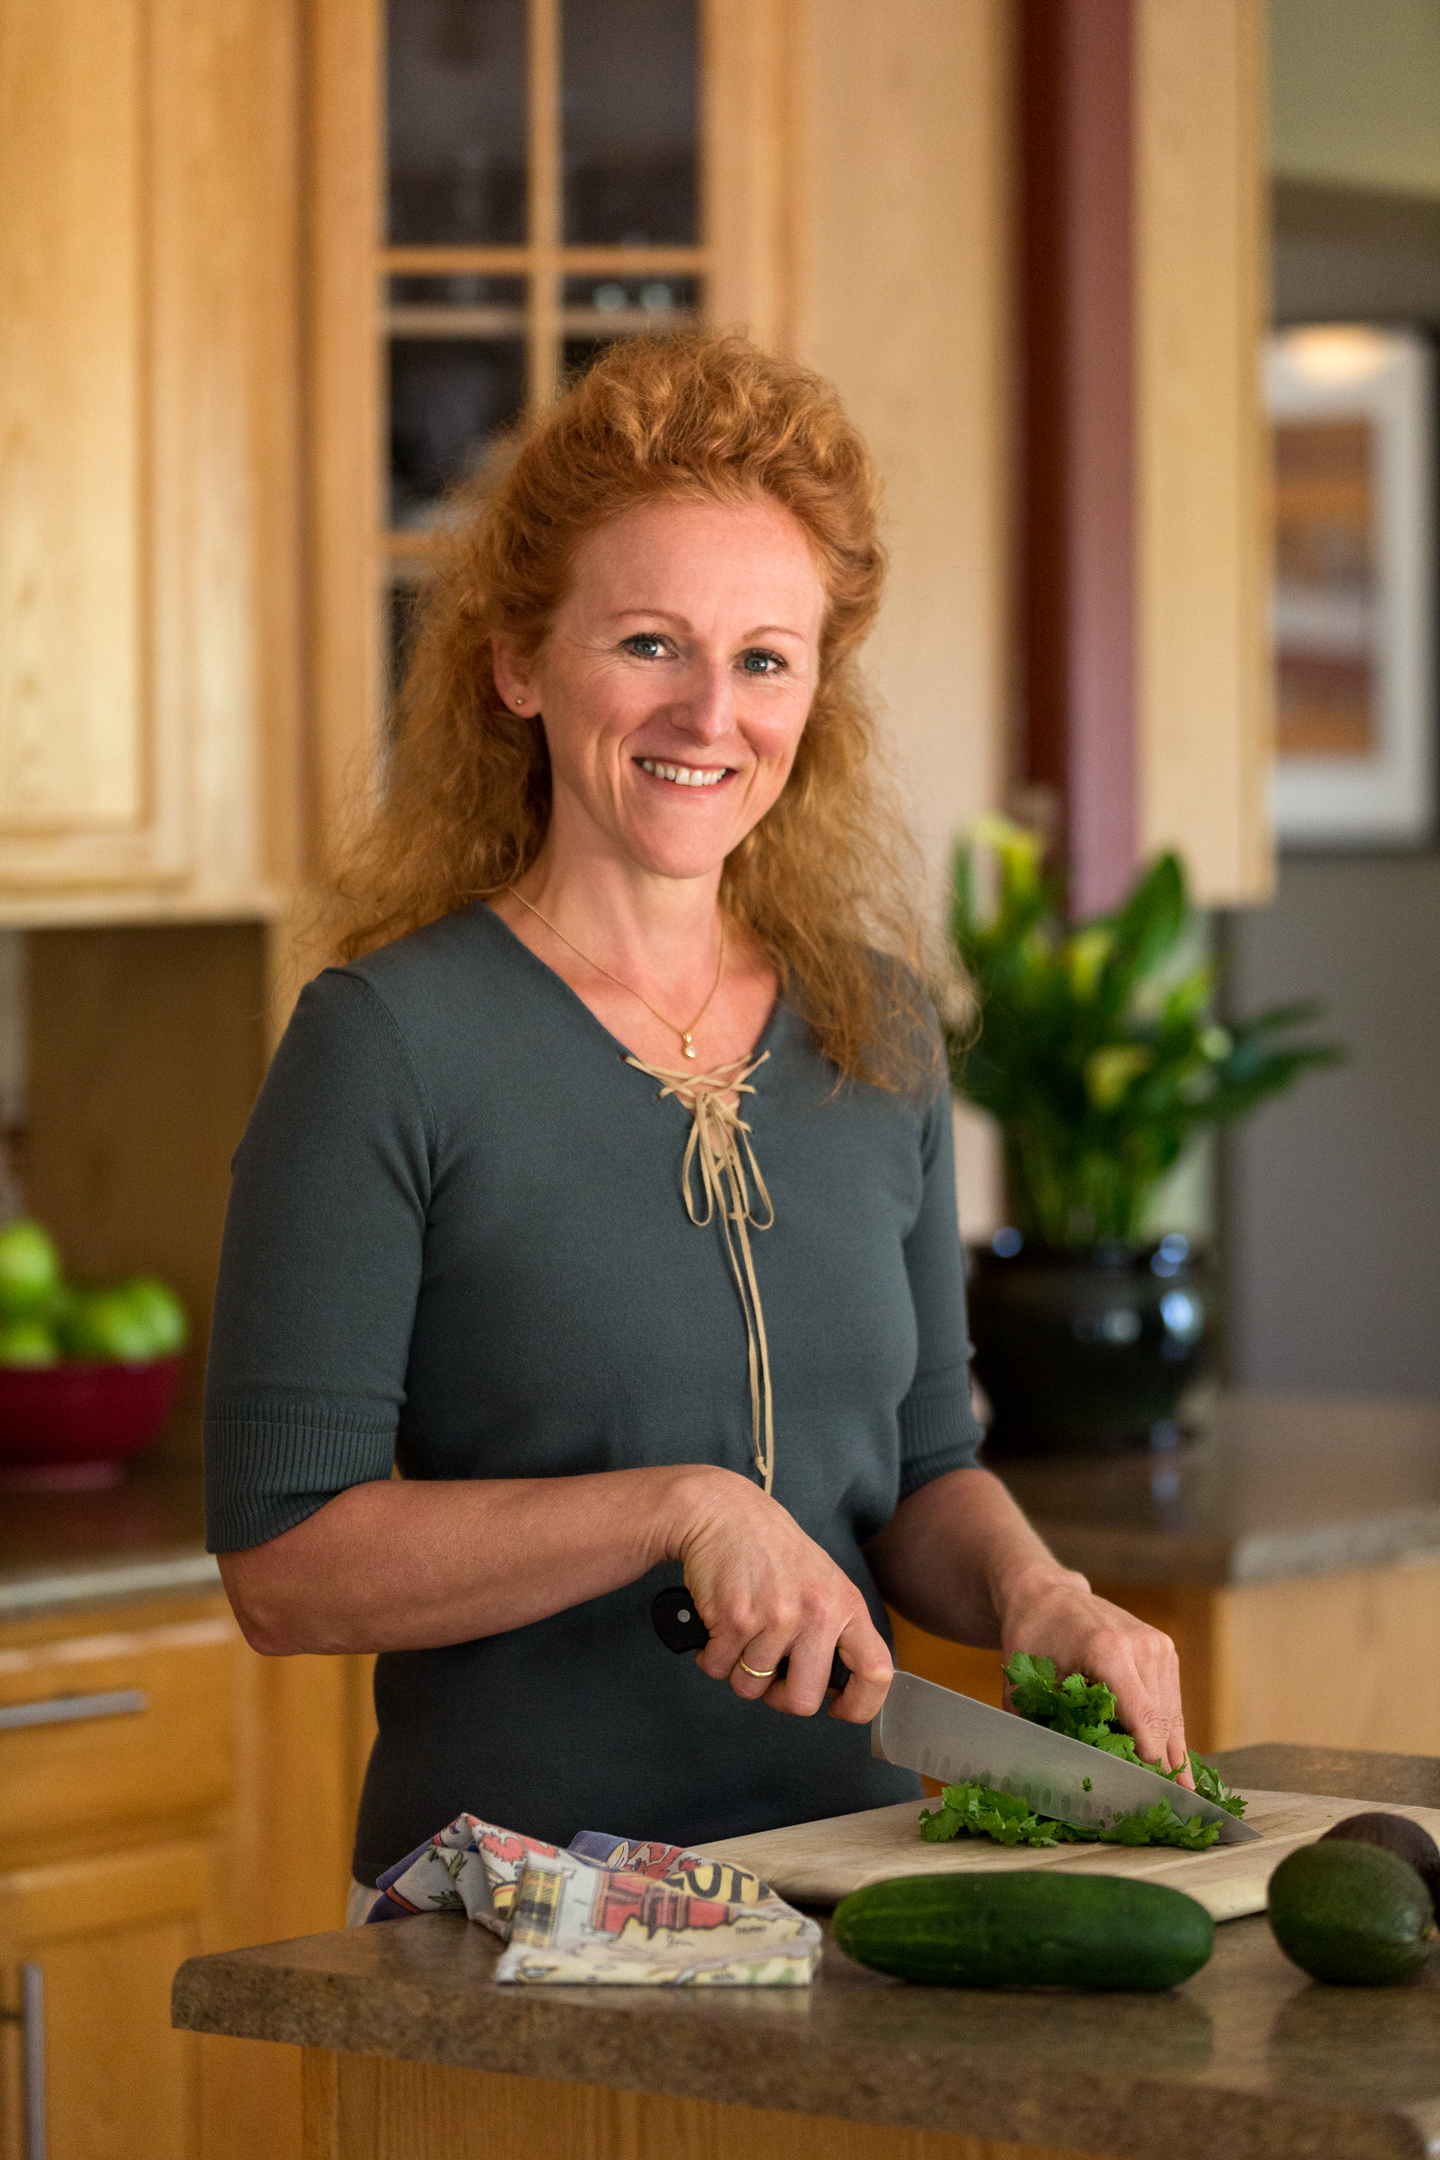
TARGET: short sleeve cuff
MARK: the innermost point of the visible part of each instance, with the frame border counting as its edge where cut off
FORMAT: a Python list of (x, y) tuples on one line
[(938, 1433), (270, 1464)]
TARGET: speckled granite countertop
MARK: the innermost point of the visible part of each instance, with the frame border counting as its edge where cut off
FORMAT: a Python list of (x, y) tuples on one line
[(1249, 2060), (1272, 1486), (142, 1538)]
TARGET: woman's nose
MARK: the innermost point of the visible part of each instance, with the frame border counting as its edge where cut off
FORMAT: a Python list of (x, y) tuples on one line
[(707, 712)]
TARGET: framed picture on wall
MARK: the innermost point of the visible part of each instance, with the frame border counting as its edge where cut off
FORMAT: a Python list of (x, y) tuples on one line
[(1354, 602)]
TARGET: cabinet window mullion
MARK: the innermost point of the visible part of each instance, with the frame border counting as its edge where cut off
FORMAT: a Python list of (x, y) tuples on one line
[(543, 205)]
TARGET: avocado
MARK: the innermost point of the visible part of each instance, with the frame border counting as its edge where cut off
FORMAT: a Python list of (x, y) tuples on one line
[(1351, 1913), (1397, 1834)]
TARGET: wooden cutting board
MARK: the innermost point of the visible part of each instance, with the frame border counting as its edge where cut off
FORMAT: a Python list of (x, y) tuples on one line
[(818, 1863)]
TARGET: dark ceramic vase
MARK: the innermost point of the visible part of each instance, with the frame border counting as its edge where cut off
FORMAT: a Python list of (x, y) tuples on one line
[(1087, 1352)]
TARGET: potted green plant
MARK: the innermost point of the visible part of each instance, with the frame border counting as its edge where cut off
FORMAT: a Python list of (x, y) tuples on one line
[(1096, 1050)]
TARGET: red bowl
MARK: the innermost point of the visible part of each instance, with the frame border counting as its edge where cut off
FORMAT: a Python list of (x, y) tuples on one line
[(74, 1424)]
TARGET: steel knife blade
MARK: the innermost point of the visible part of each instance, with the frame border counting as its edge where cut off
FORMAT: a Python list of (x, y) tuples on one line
[(954, 1738)]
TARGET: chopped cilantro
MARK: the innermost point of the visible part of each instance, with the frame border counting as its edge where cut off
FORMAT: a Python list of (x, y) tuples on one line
[(1083, 1710), (978, 1811), (973, 1810)]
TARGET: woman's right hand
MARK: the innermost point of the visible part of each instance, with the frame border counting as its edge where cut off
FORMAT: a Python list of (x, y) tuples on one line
[(766, 1591)]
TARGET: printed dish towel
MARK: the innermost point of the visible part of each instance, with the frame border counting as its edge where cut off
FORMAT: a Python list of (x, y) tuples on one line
[(605, 1909)]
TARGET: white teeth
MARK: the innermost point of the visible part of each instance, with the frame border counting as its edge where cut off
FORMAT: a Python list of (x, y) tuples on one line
[(684, 775)]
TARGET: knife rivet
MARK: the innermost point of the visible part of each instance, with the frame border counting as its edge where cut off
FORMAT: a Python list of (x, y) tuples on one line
[(684, 1614)]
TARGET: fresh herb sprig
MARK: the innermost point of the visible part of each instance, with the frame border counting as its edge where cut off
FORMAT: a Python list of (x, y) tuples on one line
[(1083, 1710)]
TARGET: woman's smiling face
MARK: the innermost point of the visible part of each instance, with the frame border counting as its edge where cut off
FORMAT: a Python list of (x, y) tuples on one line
[(676, 680)]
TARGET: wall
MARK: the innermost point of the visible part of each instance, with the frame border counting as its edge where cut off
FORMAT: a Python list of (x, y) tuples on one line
[(147, 1046), (1355, 92), (899, 232), (1332, 1195), (14, 1062), (1333, 1192), (129, 1058), (1354, 252)]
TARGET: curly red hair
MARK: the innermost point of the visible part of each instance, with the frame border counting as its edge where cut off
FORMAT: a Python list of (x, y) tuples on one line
[(829, 876)]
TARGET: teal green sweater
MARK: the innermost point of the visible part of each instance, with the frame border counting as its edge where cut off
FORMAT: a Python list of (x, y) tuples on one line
[(456, 1241)]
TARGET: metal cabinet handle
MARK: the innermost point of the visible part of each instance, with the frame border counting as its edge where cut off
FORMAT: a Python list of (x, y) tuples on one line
[(31, 2019), (63, 1709)]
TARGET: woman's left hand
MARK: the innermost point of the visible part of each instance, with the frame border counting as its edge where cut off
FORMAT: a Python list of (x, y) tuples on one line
[(1053, 1613), (959, 1559)]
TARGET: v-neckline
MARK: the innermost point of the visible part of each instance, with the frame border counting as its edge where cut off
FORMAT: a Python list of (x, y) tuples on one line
[(622, 1049)]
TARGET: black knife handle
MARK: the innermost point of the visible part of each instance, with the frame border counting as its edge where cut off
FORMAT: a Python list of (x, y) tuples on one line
[(680, 1627)]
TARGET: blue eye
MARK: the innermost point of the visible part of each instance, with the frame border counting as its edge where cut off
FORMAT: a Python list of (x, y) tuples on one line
[(646, 645), (761, 663)]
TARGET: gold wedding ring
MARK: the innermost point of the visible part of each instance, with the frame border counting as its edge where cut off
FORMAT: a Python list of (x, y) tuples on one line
[(757, 1675)]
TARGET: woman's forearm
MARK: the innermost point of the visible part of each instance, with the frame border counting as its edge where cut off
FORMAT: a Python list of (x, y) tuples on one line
[(416, 1564), (956, 1555)]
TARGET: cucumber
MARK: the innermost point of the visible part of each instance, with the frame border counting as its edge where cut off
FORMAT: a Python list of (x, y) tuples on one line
[(1026, 1928)]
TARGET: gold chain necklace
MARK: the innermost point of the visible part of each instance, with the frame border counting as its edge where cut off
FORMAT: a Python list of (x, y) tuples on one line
[(685, 1034)]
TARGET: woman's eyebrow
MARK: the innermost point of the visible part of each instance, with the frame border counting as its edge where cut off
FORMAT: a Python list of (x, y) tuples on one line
[(682, 622)]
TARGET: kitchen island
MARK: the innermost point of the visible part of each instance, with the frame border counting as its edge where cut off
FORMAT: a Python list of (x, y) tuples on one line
[(413, 2053), (1289, 1540)]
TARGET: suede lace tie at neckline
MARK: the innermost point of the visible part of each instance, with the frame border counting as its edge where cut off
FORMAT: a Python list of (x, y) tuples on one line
[(719, 1149)]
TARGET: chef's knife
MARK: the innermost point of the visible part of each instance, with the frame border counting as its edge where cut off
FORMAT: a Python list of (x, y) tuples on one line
[(951, 1737)]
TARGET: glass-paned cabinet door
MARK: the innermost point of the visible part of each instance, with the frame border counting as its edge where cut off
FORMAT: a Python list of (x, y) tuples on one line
[(629, 79), (541, 197), (457, 122)]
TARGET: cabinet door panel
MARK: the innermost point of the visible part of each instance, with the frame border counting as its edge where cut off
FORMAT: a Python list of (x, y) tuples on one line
[(123, 2082), (70, 390), (108, 1933), (149, 454), (81, 790)]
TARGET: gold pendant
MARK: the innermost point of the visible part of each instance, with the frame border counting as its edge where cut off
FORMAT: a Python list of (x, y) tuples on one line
[(689, 1046)]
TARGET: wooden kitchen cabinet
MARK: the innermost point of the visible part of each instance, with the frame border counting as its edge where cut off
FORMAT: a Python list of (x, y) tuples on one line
[(108, 1931), (192, 259), (202, 311), (149, 394), (206, 1801), (112, 1833)]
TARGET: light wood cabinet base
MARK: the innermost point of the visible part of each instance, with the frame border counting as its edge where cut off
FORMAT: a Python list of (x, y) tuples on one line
[(219, 1813), (108, 1931), (359, 2107)]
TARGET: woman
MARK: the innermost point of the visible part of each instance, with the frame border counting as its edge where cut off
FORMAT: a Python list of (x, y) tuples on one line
[(608, 1189)]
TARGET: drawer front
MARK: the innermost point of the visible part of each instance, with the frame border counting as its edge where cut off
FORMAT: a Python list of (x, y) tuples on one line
[(96, 1730)]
